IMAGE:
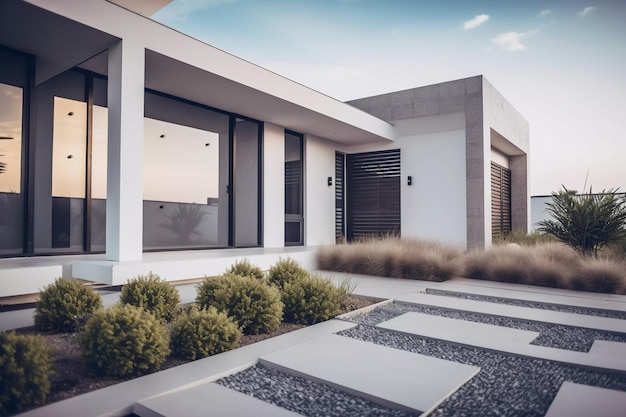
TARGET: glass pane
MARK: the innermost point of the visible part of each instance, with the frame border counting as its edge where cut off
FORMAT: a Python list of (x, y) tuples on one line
[(293, 175), (99, 178), (246, 183), (68, 173), (181, 186), (11, 198)]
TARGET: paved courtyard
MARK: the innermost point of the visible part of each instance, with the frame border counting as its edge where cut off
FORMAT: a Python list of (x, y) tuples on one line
[(463, 347)]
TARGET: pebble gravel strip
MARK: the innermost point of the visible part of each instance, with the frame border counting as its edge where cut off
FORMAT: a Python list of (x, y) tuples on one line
[(505, 386), (550, 334), (303, 396), (613, 314)]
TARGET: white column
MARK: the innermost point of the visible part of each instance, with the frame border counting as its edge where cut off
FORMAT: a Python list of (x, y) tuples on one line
[(124, 209), (273, 186)]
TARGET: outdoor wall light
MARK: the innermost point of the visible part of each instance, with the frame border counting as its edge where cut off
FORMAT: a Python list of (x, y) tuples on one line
[(161, 206), (71, 113), (207, 144), (330, 181), (70, 156), (409, 180), (162, 136)]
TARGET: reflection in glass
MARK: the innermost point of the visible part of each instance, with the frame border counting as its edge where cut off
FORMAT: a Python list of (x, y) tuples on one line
[(246, 183), (99, 178), (181, 185), (11, 198), (69, 150), (294, 218)]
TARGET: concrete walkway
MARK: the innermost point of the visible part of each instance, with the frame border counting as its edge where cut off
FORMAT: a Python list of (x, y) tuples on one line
[(390, 377)]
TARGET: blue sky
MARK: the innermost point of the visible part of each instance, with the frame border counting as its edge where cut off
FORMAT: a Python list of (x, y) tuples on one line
[(561, 64)]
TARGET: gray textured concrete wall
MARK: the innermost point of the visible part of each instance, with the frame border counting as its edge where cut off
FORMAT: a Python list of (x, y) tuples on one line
[(485, 110)]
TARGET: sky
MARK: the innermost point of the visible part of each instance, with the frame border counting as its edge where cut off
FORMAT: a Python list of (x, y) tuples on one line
[(561, 64)]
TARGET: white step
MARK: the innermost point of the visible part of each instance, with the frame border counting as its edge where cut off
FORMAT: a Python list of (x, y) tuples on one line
[(575, 400)]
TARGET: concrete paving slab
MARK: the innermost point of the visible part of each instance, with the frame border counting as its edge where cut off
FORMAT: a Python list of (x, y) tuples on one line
[(525, 313), (575, 400), (570, 298), (602, 362), (390, 377), (616, 350), (208, 400), (454, 330)]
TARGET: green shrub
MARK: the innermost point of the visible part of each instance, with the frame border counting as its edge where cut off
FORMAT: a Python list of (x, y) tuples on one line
[(153, 294), (311, 299), (286, 270), (124, 340), (525, 239), (64, 304), (25, 370), (252, 303), (200, 333), (246, 269)]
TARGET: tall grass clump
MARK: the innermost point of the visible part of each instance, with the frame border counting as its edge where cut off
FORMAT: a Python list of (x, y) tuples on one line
[(600, 275), (393, 257), (63, 305), (152, 293), (522, 238)]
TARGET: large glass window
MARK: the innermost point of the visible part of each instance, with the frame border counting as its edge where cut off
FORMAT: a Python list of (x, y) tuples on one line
[(247, 184), (294, 218), (11, 193)]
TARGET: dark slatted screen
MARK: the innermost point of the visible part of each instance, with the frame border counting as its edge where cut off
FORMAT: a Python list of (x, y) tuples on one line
[(373, 193), (340, 230), (500, 200)]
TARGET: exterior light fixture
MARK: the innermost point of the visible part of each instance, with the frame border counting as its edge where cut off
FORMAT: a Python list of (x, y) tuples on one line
[(409, 180), (71, 113), (70, 156), (207, 144), (162, 136), (330, 181)]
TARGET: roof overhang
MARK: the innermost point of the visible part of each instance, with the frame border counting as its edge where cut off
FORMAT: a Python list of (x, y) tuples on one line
[(68, 33)]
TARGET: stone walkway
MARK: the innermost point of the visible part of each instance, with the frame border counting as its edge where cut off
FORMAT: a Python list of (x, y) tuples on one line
[(393, 378)]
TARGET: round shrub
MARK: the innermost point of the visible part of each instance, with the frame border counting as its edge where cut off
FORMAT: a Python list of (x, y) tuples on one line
[(246, 269), (64, 304), (124, 340), (153, 294), (285, 270), (198, 333), (311, 299), (252, 303), (25, 370)]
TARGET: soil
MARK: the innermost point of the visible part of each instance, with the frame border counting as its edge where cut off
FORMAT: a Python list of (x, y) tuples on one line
[(71, 377)]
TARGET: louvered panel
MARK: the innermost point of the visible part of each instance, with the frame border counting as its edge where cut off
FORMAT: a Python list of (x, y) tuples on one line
[(340, 231), (500, 200), (373, 193)]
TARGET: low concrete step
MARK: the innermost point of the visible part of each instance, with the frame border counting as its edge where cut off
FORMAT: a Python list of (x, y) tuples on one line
[(390, 377), (205, 401), (608, 348), (525, 313), (575, 400)]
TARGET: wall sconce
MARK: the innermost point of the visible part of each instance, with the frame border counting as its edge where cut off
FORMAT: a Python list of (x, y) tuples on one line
[(409, 180), (330, 181)]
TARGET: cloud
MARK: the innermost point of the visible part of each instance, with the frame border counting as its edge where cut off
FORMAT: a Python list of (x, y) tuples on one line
[(510, 41), (545, 13), (181, 9), (586, 11), (475, 22)]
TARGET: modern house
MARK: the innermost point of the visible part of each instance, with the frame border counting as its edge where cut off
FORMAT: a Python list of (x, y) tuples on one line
[(127, 146)]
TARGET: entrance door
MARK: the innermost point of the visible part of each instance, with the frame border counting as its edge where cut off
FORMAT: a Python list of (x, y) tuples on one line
[(373, 193)]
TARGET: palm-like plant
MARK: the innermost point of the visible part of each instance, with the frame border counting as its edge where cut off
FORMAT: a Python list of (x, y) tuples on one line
[(586, 222)]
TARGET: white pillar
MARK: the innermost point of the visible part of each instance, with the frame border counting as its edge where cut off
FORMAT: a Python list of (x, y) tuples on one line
[(273, 186), (124, 209)]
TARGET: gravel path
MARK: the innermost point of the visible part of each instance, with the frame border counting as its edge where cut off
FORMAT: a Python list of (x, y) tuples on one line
[(505, 386), (302, 396), (551, 335), (532, 304)]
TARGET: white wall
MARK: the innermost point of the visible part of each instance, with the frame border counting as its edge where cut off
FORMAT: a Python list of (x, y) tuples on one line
[(319, 198), (273, 186)]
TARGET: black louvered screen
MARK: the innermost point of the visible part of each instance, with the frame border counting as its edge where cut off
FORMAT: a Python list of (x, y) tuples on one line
[(500, 200), (373, 193), (340, 230)]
